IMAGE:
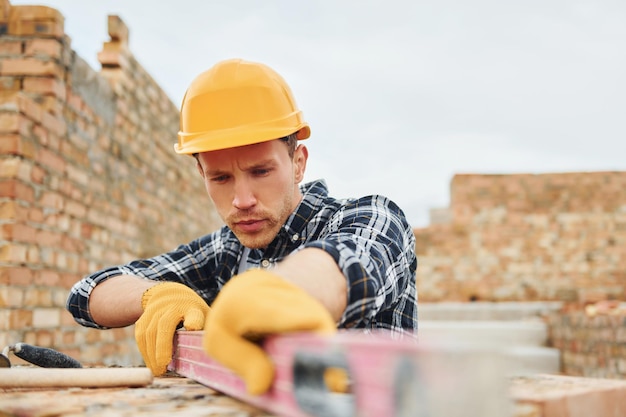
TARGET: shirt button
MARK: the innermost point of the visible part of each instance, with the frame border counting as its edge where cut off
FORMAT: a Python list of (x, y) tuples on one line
[(265, 263), (295, 237)]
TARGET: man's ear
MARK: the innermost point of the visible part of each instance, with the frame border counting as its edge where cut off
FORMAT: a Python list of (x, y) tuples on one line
[(300, 156)]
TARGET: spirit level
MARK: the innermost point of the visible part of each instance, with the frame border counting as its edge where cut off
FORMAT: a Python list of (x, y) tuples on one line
[(384, 377)]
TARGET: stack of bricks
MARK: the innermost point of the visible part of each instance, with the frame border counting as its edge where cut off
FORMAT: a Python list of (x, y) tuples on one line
[(527, 237), (88, 178), (592, 340), (547, 237)]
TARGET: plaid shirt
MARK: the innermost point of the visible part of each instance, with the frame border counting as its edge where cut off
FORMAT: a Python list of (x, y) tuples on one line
[(369, 238)]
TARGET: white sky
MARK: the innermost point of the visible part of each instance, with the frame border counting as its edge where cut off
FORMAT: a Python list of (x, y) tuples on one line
[(403, 94)]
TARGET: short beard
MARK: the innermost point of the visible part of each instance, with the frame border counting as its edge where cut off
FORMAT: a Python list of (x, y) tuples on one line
[(269, 233)]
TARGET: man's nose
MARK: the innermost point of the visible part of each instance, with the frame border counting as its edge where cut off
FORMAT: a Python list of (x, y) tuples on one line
[(244, 195)]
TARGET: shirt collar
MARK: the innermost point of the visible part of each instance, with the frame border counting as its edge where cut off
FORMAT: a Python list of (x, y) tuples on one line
[(313, 196)]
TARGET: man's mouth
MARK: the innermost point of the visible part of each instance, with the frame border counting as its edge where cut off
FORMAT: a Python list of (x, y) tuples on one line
[(249, 226)]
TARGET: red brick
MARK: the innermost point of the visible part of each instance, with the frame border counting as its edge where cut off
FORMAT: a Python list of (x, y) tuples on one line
[(46, 318), (51, 161), (10, 84), (113, 56), (54, 123), (15, 232), (8, 210), (19, 319), (9, 122), (10, 167), (53, 104), (8, 47), (86, 229), (17, 190), (35, 214), (13, 275), (93, 336), (79, 159), (38, 297), (47, 238), (44, 338), (36, 13), (46, 86), (108, 350), (48, 47), (68, 320), (37, 175), (13, 144), (52, 200), (68, 280), (30, 66), (71, 245), (75, 102), (75, 209), (4, 322), (23, 27), (30, 108), (11, 297), (67, 339), (47, 278), (121, 333)]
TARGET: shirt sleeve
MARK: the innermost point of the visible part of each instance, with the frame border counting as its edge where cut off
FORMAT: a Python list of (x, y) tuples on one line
[(191, 264), (374, 246)]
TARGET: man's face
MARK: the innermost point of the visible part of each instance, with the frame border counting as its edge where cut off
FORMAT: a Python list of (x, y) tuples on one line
[(254, 187)]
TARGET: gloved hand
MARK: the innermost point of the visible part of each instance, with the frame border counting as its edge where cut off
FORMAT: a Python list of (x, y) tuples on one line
[(164, 306), (250, 306)]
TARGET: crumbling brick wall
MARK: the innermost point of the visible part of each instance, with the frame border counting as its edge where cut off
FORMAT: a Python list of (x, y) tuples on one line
[(88, 178), (527, 237)]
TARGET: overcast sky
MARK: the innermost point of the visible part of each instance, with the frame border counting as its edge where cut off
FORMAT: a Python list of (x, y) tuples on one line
[(402, 95)]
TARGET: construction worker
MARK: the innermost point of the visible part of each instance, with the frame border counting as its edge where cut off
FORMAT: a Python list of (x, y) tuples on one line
[(289, 258)]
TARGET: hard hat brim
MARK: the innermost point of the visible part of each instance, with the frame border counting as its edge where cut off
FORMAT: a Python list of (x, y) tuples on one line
[(210, 141)]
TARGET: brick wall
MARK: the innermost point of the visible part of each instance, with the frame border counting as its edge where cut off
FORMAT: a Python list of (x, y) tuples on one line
[(538, 238), (88, 178), (527, 237)]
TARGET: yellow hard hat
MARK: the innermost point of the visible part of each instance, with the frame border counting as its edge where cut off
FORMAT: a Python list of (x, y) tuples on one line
[(237, 103)]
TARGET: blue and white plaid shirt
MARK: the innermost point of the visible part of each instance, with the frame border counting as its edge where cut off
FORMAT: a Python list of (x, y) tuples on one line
[(369, 238)]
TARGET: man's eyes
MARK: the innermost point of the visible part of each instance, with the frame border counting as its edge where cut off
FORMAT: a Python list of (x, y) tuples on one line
[(261, 171), (219, 178), (257, 172)]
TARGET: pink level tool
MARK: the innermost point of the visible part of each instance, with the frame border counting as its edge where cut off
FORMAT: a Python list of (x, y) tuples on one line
[(387, 378), (383, 374)]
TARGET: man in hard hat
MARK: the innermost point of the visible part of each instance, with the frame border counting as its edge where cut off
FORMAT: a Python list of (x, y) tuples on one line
[(289, 258)]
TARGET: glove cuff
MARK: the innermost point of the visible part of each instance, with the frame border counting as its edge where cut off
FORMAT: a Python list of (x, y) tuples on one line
[(158, 289)]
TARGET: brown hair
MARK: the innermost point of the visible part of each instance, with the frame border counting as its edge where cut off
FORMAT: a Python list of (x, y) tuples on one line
[(292, 143)]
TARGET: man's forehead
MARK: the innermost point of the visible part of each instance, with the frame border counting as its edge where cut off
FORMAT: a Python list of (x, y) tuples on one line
[(254, 154)]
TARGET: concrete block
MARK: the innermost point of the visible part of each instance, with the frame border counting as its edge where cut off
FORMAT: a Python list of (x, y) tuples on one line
[(502, 333)]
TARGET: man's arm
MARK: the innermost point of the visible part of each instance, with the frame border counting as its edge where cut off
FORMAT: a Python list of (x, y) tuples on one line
[(116, 302), (117, 290), (306, 292), (317, 273), (374, 247)]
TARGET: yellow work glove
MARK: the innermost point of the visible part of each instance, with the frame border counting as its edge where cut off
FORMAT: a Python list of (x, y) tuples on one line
[(165, 306), (250, 306)]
